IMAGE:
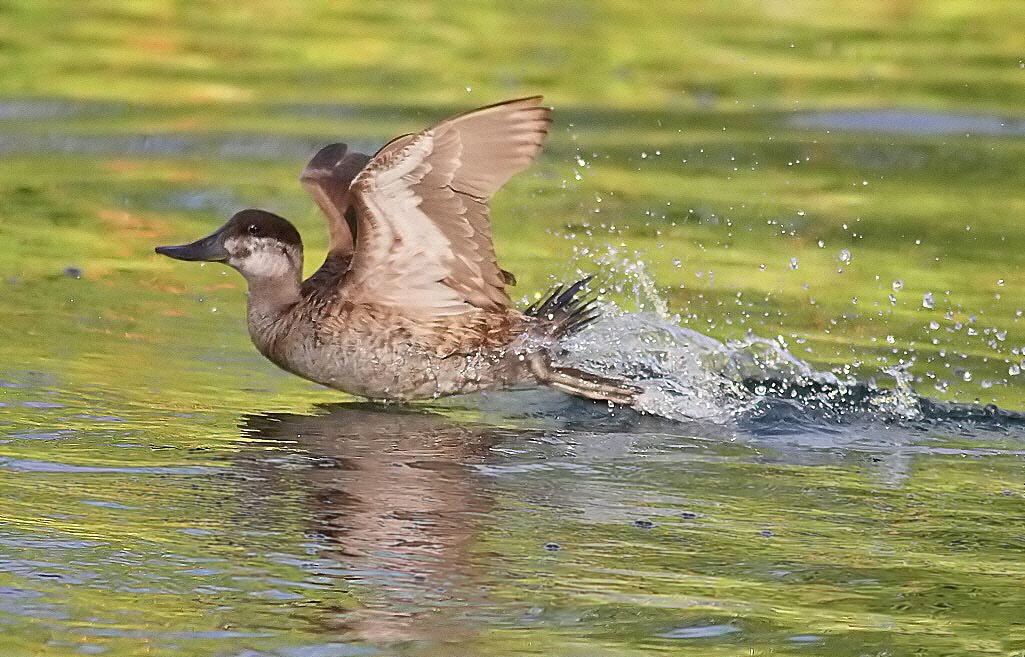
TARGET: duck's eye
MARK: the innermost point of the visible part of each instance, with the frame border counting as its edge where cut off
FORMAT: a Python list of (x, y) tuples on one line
[(253, 229)]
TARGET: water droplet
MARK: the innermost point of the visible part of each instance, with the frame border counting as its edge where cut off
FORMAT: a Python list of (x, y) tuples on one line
[(845, 256), (793, 263), (898, 285), (644, 524), (927, 301), (552, 547), (934, 325)]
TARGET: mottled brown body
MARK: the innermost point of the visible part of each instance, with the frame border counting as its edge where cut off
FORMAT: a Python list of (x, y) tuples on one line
[(375, 352)]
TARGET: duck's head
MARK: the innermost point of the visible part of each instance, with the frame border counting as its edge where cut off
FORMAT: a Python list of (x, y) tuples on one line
[(262, 246)]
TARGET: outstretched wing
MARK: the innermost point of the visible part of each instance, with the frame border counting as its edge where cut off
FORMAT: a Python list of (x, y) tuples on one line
[(327, 178), (423, 234)]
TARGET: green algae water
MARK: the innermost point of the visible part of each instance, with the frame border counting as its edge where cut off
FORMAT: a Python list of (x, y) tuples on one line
[(806, 216)]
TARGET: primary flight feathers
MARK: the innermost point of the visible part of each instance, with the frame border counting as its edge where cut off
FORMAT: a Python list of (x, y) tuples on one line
[(414, 218)]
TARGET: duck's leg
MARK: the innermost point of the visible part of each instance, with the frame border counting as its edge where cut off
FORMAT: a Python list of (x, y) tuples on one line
[(582, 384)]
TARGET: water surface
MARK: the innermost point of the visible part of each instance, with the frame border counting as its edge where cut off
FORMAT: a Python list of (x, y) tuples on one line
[(807, 228)]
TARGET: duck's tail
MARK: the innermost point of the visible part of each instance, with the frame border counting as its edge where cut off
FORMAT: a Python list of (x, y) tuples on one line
[(565, 312)]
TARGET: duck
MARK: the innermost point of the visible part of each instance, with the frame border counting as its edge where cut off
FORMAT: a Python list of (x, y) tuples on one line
[(410, 302)]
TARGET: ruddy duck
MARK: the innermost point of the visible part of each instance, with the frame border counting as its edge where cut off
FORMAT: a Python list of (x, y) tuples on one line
[(410, 302)]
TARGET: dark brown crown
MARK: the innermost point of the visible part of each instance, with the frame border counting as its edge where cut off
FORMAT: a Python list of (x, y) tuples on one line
[(260, 223)]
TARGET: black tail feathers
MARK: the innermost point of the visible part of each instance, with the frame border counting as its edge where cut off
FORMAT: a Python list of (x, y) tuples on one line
[(565, 310)]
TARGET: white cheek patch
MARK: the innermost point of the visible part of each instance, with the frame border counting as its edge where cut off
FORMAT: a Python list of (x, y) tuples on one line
[(265, 263), (259, 258)]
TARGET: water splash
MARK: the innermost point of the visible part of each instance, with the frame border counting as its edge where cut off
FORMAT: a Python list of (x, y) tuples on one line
[(675, 366), (687, 375), (625, 274)]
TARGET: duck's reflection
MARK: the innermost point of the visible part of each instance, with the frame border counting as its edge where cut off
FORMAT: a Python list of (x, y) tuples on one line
[(392, 494)]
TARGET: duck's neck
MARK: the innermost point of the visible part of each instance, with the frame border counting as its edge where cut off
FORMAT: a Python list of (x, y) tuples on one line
[(270, 300)]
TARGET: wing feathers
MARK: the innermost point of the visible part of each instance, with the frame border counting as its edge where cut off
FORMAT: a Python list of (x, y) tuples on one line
[(423, 239), (327, 178)]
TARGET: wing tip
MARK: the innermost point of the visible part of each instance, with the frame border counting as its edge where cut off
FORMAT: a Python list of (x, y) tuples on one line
[(528, 103), (324, 161)]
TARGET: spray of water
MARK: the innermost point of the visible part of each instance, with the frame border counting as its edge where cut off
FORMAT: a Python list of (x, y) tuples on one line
[(687, 375)]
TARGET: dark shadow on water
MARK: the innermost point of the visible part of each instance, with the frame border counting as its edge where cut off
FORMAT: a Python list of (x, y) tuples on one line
[(789, 407)]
